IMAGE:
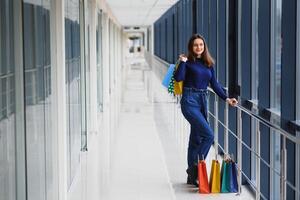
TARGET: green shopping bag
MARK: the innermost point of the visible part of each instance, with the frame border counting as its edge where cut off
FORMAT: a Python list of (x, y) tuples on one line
[(224, 177)]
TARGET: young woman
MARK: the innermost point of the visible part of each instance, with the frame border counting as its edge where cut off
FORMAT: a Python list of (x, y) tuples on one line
[(196, 70)]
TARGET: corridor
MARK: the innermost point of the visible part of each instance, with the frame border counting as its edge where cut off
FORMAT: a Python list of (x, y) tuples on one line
[(146, 162), (84, 114)]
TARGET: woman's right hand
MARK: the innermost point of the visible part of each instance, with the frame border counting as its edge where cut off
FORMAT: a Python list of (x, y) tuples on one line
[(232, 101), (182, 58)]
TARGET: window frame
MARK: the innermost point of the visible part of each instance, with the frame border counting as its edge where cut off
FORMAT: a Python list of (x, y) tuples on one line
[(273, 47), (298, 64), (274, 136), (255, 52), (298, 95), (99, 63), (19, 100), (254, 85)]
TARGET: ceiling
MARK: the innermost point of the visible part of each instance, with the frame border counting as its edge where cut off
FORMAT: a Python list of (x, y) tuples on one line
[(139, 12)]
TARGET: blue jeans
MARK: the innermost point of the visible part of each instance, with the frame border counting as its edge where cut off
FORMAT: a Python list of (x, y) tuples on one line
[(194, 108)]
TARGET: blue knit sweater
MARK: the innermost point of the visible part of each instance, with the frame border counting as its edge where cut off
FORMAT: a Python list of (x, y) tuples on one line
[(197, 75)]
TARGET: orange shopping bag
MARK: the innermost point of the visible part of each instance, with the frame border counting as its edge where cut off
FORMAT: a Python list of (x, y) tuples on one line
[(202, 177)]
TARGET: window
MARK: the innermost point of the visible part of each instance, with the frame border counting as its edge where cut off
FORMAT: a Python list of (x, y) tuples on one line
[(7, 103), (73, 85), (254, 84), (99, 62), (276, 13), (255, 52), (37, 78)]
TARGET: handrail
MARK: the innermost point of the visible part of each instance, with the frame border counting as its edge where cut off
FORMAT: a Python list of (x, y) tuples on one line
[(10, 74), (273, 126), (262, 120), (267, 123), (246, 146), (257, 155), (161, 60)]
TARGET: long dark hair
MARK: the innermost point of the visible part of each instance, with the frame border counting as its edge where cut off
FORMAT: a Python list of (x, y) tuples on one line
[(205, 56)]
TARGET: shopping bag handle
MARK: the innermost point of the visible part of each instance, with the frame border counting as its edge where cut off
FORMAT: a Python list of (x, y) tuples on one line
[(198, 157)]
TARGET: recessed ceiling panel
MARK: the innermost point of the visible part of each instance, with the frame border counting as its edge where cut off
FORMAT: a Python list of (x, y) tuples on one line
[(139, 12)]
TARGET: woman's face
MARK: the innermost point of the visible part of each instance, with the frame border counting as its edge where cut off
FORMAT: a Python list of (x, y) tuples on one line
[(198, 47)]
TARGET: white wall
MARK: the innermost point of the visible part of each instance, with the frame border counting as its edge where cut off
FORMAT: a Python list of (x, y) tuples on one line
[(94, 163)]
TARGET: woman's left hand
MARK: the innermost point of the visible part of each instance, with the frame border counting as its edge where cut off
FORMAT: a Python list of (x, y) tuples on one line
[(232, 101)]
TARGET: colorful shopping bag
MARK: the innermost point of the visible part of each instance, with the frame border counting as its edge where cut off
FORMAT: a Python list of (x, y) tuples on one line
[(229, 176), (233, 177), (215, 177), (173, 86), (202, 177), (178, 86), (224, 177), (167, 79)]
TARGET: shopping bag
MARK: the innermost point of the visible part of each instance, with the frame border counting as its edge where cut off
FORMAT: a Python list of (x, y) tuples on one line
[(173, 86), (215, 177), (177, 85), (168, 76), (229, 177), (202, 177), (224, 177), (233, 177)]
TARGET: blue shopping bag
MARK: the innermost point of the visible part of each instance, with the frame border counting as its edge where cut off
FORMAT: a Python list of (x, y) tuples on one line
[(168, 76), (233, 178)]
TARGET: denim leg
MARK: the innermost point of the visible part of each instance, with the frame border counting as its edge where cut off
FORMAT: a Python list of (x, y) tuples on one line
[(201, 131), (194, 143)]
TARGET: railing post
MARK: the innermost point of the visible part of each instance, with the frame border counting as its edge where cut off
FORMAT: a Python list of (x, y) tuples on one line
[(257, 160), (239, 148), (216, 130), (175, 120), (226, 128), (283, 170)]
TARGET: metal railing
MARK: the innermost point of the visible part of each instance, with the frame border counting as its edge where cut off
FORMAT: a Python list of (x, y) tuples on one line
[(256, 152), (180, 129)]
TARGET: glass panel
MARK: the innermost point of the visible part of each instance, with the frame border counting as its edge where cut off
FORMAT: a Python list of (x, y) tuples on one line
[(255, 51), (86, 81), (73, 85), (7, 103), (254, 85), (276, 163), (254, 125), (276, 68), (37, 77), (276, 93), (99, 63)]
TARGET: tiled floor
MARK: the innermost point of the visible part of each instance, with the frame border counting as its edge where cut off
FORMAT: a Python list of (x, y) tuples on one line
[(145, 163)]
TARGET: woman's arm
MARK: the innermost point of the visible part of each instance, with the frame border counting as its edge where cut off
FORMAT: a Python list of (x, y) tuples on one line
[(217, 87), (181, 70)]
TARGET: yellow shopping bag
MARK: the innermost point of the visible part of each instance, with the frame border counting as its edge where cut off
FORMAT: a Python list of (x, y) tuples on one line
[(178, 85), (215, 177)]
